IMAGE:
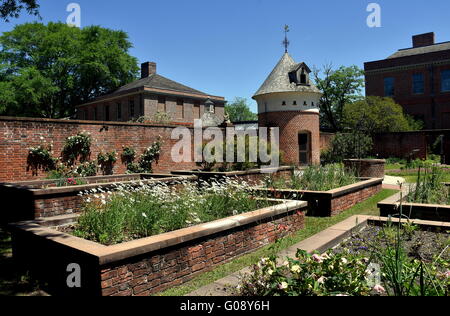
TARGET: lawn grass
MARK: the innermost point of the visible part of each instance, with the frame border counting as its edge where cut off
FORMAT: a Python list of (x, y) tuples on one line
[(313, 225), (411, 176)]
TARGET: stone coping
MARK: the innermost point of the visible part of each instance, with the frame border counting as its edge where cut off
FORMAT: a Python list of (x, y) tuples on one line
[(234, 173), (364, 183), (79, 188), (381, 161), (114, 253), (395, 201)]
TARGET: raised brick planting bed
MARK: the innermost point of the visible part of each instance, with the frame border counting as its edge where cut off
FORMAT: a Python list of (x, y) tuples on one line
[(149, 265), (37, 199), (367, 168), (253, 176), (430, 212), (332, 202)]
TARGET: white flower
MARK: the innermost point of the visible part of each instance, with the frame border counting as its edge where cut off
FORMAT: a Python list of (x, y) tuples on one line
[(295, 269), (283, 286), (321, 280), (344, 260), (270, 271), (144, 215)]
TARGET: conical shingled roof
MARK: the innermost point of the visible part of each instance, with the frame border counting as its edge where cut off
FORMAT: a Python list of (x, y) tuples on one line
[(278, 80)]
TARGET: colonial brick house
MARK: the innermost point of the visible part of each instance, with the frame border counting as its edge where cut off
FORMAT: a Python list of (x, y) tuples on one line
[(149, 95), (418, 78)]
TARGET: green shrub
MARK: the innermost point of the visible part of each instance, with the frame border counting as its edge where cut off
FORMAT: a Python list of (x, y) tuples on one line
[(141, 210), (347, 146), (76, 148)]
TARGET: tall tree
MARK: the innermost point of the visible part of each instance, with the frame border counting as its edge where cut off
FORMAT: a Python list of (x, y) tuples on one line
[(339, 87), (12, 8), (48, 69), (374, 115), (239, 111)]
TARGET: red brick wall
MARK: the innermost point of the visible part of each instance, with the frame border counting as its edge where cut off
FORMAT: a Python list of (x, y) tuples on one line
[(325, 140), (433, 105), (17, 135), (156, 272), (400, 145), (342, 203), (291, 124)]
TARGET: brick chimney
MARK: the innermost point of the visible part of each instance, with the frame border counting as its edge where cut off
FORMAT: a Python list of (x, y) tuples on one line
[(423, 40), (148, 69)]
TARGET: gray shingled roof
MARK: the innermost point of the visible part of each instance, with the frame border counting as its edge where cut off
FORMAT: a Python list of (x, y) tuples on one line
[(421, 50), (278, 80), (158, 82)]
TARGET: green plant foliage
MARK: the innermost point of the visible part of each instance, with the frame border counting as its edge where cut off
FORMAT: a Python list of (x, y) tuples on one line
[(12, 8), (429, 187), (40, 158), (76, 148), (86, 169), (339, 87), (142, 210), (239, 111), (374, 115), (315, 178), (347, 146), (308, 275), (128, 155), (106, 162), (49, 69)]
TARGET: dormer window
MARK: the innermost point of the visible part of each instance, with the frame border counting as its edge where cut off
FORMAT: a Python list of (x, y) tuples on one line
[(284, 103), (299, 74), (305, 103)]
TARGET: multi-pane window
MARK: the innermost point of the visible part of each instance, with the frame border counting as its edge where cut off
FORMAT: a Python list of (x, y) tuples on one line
[(445, 81), (119, 111), (389, 87), (418, 84)]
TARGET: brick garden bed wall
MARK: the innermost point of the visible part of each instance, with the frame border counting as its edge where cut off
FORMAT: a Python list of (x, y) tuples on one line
[(428, 212), (333, 202), (366, 168), (19, 134), (28, 202), (153, 264)]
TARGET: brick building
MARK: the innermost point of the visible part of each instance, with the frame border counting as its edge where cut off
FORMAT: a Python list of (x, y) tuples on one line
[(149, 95), (418, 78), (289, 101)]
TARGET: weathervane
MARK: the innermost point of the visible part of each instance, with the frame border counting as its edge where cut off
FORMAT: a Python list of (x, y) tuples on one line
[(286, 41)]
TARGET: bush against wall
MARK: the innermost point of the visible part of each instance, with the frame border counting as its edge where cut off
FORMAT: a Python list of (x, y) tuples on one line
[(40, 158), (347, 146), (106, 162), (77, 148)]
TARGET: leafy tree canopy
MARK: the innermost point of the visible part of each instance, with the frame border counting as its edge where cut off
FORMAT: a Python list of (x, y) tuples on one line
[(339, 87), (12, 8), (377, 115), (239, 111), (45, 70)]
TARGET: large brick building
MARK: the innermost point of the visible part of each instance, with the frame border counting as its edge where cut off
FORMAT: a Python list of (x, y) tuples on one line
[(418, 78), (151, 94), (288, 100)]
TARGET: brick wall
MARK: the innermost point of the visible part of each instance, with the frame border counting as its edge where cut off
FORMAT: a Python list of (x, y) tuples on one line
[(291, 124), (342, 203), (400, 145), (19, 134), (325, 140), (158, 271)]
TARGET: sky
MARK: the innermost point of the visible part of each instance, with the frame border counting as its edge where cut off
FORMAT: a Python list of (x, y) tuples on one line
[(229, 47)]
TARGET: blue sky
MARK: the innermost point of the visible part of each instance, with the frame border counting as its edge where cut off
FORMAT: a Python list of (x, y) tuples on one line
[(229, 47)]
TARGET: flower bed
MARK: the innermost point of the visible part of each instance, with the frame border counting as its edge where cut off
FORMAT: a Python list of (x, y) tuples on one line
[(147, 265), (328, 191), (253, 176), (428, 198), (37, 199), (380, 258)]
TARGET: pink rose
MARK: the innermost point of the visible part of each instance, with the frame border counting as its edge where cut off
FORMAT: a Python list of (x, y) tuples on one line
[(317, 258), (379, 289)]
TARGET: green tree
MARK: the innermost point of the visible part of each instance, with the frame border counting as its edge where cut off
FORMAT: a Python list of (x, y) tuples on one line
[(11, 8), (48, 69), (239, 111), (339, 87), (374, 115)]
